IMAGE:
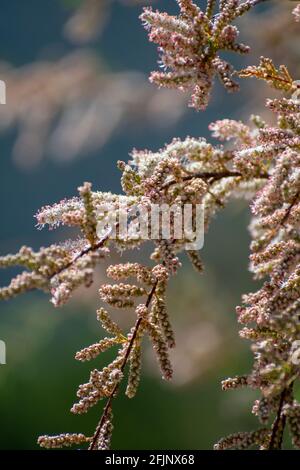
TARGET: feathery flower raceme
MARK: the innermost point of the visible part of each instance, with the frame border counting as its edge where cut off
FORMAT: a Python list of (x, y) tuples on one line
[(244, 440), (63, 440)]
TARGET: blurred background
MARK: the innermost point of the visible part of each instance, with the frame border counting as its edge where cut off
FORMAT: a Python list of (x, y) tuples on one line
[(78, 100)]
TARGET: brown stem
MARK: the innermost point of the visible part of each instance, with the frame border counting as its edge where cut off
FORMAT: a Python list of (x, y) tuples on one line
[(267, 76), (278, 79), (214, 176), (278, 426), (280, 421), (256, 2), (87, 250), (125, 360)]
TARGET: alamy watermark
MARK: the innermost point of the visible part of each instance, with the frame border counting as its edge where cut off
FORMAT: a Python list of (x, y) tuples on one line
[(2, 352), (153, 222)]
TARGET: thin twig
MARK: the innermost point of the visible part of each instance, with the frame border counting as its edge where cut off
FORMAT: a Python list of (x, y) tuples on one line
[(256, 2), (215, 176), (258, 75), (87, 250), (125, 360), (280, 421)]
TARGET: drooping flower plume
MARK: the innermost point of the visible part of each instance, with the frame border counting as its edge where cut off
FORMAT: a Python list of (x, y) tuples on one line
[(191, 45)]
